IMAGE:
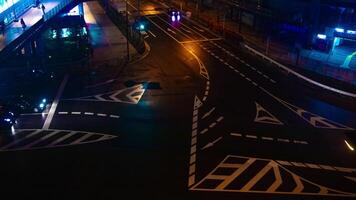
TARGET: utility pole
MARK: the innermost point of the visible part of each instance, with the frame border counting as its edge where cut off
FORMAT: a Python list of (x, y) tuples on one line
[(138, 7), (127, 33)]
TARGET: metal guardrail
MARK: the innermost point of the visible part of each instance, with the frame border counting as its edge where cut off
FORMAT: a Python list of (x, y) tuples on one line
[(290, 71), (48, 15)]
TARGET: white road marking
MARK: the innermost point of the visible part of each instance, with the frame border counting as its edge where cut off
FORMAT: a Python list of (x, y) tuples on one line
[(54, 105), (39, 140), (208, 113), (20, 140), (251, 136), (210, 144), (212, 125), (267, 138), (220, 118), (298, 164), (300, 142), (29, 114), (88, 113), (101, 115), (84, 137), (282, 140), (114, 116), (76, 113), (204, 131), (152, 33), (236, 134), (62, 113), (61, 139)]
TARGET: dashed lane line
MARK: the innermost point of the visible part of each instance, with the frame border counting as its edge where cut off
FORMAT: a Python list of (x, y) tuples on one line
[(284, 140), (208, 113), (239, 59), (89, 114), (212, 125)]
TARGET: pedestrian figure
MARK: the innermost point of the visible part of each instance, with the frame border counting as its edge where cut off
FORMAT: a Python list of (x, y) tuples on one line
[(43, 8), (23, 24)]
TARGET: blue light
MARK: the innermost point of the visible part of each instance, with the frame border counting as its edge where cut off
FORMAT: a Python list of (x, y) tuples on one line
[(351, 32), (7, 120), (321, 36), (142, 27), (44, 100), (173, 18), (41, 105), (339, 30), (178, 17)]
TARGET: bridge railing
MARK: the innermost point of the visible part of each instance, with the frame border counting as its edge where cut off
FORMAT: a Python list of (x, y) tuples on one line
[(54, 11)]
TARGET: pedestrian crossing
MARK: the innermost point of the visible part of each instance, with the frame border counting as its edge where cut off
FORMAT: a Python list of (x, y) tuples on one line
[(27, 139)]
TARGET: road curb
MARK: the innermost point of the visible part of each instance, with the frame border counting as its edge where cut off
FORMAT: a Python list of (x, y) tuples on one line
[(143, 55)]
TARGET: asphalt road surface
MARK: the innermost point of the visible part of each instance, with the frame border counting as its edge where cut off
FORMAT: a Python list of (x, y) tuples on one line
[(198, 118)]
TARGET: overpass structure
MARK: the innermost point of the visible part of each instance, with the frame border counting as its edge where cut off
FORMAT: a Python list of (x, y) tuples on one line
[(15, 36)]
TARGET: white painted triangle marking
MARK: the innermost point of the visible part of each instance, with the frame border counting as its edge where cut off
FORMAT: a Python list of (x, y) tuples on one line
[(268, 118), (197, 103)]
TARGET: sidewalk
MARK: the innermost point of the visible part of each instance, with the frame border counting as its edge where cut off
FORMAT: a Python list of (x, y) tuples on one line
[(311, 66), (108, 43), (31, 17)]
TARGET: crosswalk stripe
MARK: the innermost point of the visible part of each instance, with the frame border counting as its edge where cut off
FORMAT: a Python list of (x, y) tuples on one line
[(61, 139), (40, 140), (20, 140)]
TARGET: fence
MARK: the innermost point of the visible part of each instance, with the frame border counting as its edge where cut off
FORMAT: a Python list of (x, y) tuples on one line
[(133, 35)]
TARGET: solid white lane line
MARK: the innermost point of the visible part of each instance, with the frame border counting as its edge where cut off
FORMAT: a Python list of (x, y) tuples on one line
[(54, 105)]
